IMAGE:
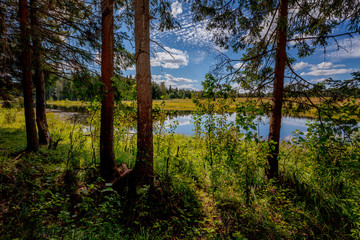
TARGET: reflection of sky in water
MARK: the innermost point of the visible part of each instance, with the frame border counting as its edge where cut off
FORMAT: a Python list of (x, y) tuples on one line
[(288, 126), (185, 123)]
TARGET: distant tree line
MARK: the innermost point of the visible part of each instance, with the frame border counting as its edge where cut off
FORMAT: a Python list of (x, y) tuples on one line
[(84, 86)]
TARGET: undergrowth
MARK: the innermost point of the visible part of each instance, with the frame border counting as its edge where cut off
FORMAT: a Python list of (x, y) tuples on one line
[(209, 186)]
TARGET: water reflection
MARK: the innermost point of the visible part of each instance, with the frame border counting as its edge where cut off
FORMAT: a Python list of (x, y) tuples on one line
[(185, 122), (78, 114), (288, 126)]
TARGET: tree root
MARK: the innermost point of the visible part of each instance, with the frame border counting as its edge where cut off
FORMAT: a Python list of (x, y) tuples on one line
[(125, 181)]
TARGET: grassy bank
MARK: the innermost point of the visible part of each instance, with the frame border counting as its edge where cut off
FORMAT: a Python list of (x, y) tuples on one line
[(189, 105), (205, 188), (175, 104)]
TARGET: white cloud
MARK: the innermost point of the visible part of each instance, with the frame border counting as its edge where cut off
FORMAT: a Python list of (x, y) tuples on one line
[(176, 8), (301, 65), (350, 48), (187, 86), (131, 68), (268, 26), (181, 122), (178, 82), (294, 122), (327, 72), (325, 65), (193, 34), (177, 58), (323, 69), (238, 65), (320, 66), (317, 80)]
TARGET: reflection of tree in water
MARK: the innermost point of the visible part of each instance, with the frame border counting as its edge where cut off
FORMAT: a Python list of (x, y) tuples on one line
[(82, 110), (77, 109), (78, 114), (179, 113)]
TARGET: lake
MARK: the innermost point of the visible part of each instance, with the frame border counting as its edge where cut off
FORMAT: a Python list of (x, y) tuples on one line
[(185, 121), (288, 126)]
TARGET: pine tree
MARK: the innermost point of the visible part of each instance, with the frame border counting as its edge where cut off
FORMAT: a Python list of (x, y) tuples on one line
[(43, 130), (144, 157), (31, 135), (107, 156), (262, 30)]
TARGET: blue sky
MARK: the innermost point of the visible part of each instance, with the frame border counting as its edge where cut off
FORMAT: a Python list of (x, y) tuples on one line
[(194, 54)]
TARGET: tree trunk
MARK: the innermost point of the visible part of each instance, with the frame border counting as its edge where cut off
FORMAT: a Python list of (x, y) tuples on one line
[(32, 140), (43, 131), (144, 158), (271, 170), (107, 156)]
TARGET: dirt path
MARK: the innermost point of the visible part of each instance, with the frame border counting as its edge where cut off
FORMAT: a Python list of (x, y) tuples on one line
[(212, 224)]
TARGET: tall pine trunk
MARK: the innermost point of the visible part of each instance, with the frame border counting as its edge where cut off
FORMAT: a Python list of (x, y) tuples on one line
[(144, 158), (31, 136), (272, 168), (41, 120), (107, 156)]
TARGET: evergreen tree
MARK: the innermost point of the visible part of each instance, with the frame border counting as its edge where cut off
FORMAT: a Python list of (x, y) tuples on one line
[(263, 29), (31, 135), (38, 77), (144, 157), (107, 156)]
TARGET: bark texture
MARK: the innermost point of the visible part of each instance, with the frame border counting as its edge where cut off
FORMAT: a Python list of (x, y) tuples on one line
[(38, 78), (271, 170), (107, 156), (31, 136), (144, 158)]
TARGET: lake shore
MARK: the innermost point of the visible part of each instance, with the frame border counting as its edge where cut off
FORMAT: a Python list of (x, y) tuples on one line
[(183, 105)]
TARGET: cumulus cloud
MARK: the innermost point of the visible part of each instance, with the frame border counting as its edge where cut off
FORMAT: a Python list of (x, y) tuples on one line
[(177, 58), (325, 65), (176, 9), (170, 80), (322, 69), (301, 65), (238, 65), (328, 72)]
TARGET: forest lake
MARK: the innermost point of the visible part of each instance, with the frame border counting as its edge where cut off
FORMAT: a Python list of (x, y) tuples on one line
[(185, 122)]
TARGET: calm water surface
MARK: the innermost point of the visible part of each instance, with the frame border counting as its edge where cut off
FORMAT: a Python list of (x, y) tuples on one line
[(185, 121), (288, 126)]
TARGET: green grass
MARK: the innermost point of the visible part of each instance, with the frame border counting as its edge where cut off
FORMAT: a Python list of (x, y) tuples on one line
[(56, 193)]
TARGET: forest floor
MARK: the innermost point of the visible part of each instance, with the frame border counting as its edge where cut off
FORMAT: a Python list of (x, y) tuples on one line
[(212, 222)]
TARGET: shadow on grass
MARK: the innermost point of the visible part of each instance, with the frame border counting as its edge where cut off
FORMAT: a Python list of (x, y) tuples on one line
[(12, 140), (41, 198)]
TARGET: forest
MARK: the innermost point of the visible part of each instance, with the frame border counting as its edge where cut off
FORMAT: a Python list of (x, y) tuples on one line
[(90, 151)]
